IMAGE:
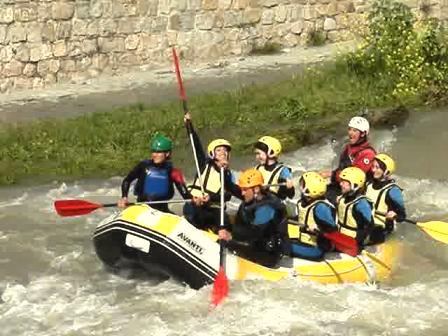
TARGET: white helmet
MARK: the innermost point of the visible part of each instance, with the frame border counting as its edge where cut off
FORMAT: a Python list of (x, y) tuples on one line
[(359, 123)]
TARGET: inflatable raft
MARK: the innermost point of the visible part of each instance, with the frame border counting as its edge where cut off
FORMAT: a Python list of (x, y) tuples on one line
[(145, 238)]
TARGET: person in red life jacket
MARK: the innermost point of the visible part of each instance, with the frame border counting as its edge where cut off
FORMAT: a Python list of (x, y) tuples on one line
[(204, 211), (155, 177), (357, 153)]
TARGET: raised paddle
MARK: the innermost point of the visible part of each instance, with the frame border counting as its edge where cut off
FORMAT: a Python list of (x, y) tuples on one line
[(221, 283), (70, 208), (183, 98), (435, 229), (342, 242)]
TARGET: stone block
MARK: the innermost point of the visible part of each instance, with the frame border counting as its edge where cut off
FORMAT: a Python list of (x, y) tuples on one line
[(131, 42), (60, 48), (240, 4), (210, 4), (295, 12), (194, 4), (164, 7), (30, 70), (22, 53), (111, 44), (38, 83), (6, 14), (232, 34), (269, 3), (83, 63), (297, 27), (23, 83), (6, 84), (96, 8), (63, 30), (233, 18), (100, 61), (159, 24), (309, 12), (345, 7), (49, 79), (79, 27), (62, 10), (25, 12), (171, 37), (17, 33), (34, 32), (48, 31), (251, 15), (6, 53), (224, 4), (68, 65), (107, 27), (205, 21), (82, 10), (128, 26), (330, 24), (291, 40), (40, 52), (143, 7), (13, 68), (267, 18), (129, 59), (219, 19), (182, 21), (184, 38), (3, 33), (281, 13)]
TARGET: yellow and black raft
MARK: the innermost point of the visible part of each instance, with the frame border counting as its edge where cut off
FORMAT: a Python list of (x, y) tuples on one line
[(152, 240)]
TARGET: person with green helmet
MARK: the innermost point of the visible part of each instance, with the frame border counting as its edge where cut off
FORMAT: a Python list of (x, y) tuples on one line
[(155, 177)]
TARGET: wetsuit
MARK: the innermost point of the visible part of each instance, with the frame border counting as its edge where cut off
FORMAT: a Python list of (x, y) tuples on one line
[(260, 231), (155, 183)]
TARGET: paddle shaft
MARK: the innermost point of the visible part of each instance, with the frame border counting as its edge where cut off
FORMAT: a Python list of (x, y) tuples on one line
[(404, 220), (183, 98), (221, 223)]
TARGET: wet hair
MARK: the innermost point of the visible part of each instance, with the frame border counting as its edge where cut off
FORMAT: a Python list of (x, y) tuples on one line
[(382, 165)]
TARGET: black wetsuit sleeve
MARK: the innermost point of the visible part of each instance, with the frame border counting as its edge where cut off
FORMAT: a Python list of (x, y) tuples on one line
[(182, 189), (284, 192), (134, 174), (200, 152)]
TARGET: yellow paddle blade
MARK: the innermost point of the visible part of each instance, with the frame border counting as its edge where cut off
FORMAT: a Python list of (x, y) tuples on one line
[(437, 230)]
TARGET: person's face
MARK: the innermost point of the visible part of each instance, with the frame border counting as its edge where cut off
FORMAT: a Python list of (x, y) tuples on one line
[(221, 153), (345, 186), (159, 157), (248, 194), (260, 156), (376, 170), (354, 135)]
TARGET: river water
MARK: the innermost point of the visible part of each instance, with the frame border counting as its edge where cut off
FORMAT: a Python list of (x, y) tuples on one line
[(51, 282)]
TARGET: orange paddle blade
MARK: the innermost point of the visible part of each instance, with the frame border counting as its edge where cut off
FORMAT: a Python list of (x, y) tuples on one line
[(68, 208), (220, 287)]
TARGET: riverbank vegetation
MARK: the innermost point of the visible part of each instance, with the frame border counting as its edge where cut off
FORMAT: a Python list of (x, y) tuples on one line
[(402, 63)]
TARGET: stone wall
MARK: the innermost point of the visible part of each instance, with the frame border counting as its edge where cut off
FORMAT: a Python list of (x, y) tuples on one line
[(43, 42)]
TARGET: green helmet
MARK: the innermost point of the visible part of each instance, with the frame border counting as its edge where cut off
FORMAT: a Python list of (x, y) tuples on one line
[(161, 143)]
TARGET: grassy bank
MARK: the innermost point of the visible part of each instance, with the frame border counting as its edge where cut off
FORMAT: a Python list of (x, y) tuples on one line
[(299, 111)]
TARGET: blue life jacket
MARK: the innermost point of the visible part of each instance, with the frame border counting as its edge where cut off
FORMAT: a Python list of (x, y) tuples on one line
[(157, 184)]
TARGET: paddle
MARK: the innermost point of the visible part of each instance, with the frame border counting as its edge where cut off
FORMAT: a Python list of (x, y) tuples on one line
[(69, 208), (342, 242), (435, 229), (183, 98), (221, 284)]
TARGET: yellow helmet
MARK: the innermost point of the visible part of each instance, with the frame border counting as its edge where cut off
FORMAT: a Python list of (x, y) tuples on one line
[(387, 163), (216, 143), (273, 145), (250, 178), (355, 176), (313, 185)]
